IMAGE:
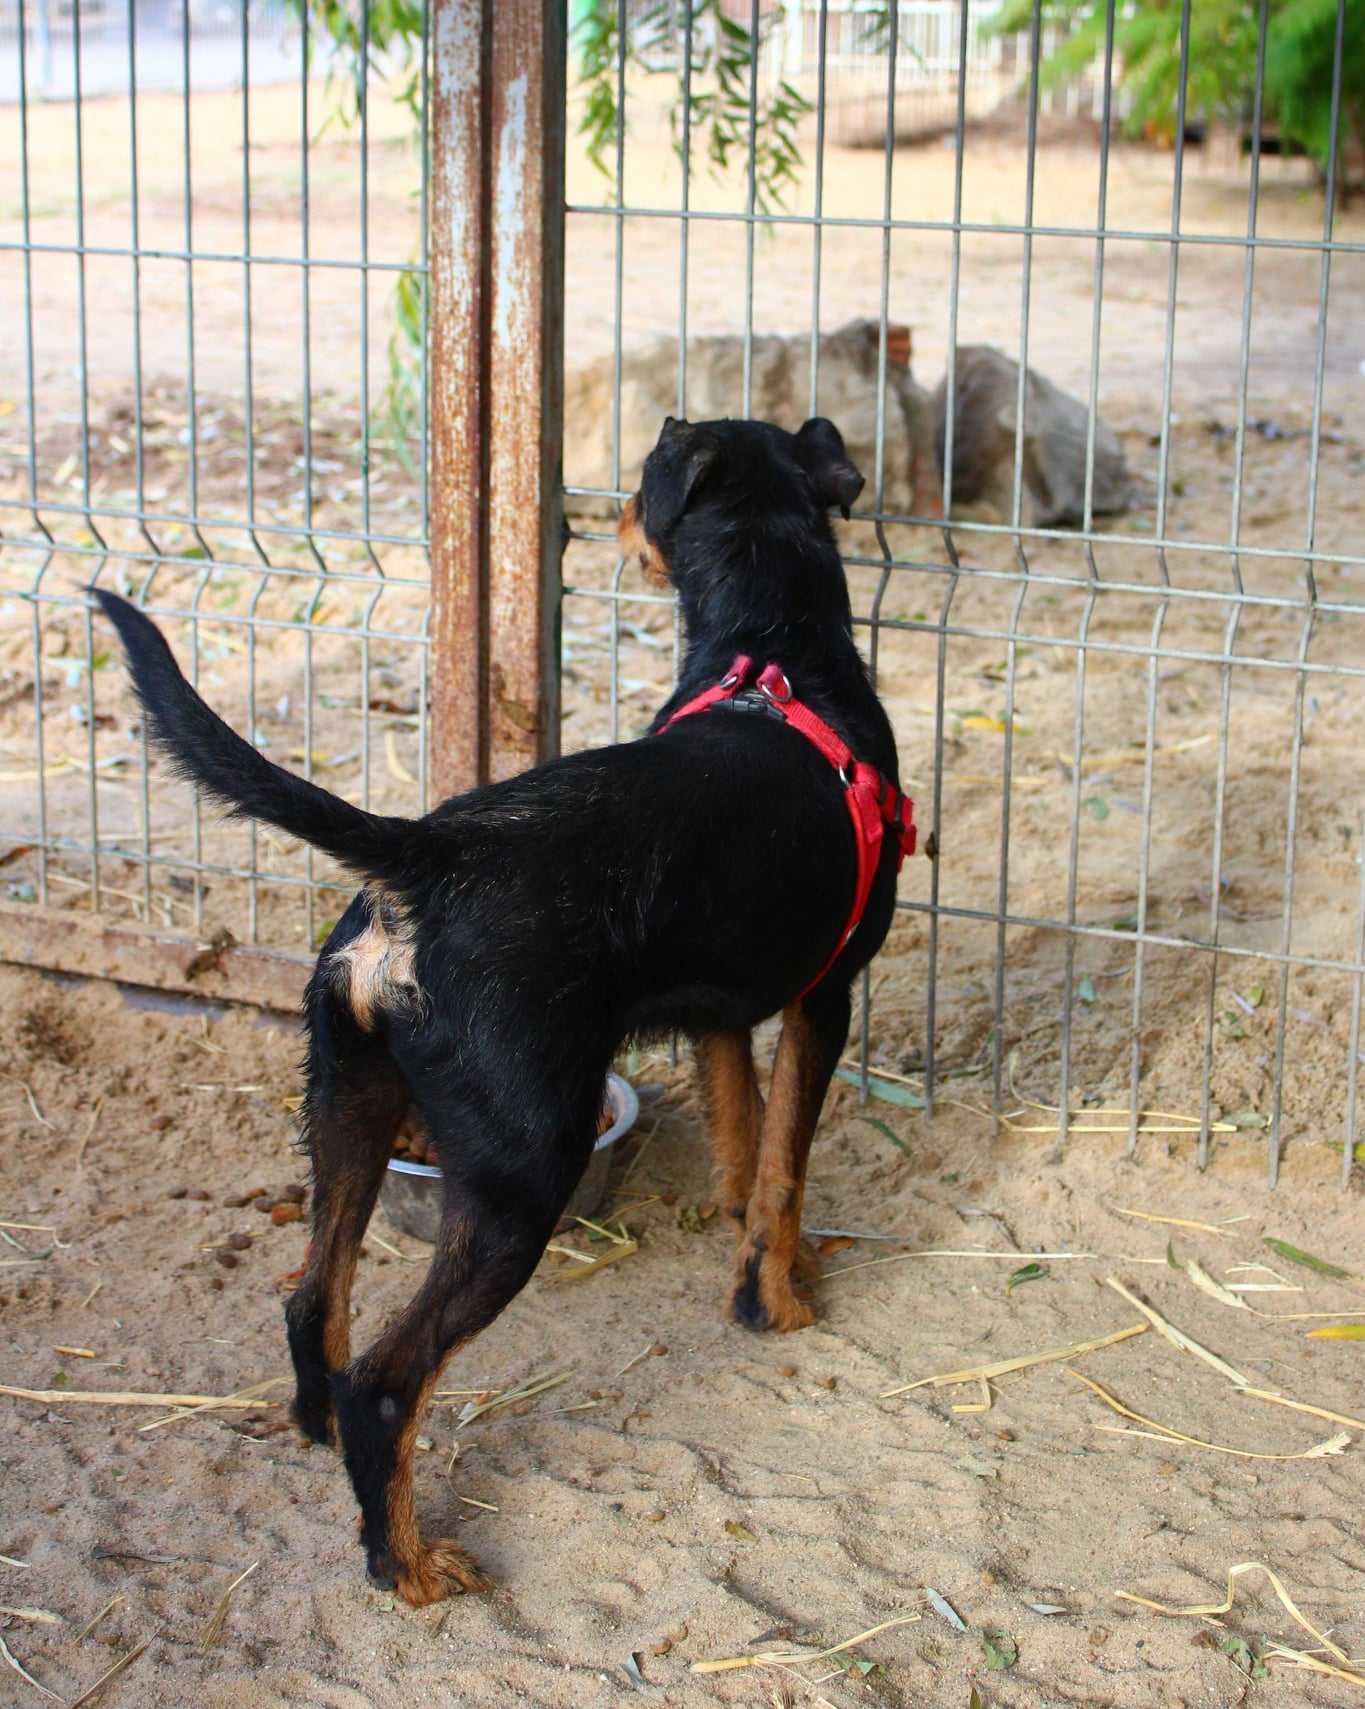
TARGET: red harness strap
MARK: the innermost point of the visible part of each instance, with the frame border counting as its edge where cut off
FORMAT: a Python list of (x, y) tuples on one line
[(874, 804)]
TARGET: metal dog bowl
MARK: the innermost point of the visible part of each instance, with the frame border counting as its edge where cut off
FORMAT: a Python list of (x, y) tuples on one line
[(412, 1196)]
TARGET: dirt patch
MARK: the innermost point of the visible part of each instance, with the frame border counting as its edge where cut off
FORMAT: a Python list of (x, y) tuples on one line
[(729, 1491)]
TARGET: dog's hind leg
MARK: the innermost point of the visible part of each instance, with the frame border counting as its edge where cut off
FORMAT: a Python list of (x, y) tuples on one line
[(734, 1115), (814, 1032), (492, 1234), (355, 1103)]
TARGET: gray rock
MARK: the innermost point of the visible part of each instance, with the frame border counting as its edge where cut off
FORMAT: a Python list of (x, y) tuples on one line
[(1054, 444)]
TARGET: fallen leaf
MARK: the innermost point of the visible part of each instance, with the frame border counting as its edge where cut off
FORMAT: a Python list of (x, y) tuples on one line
[(886, 1090), (1001, 1651), (833, 1243), (1339, 1332), (978, 1468), (1245, 1118), (941, 1605), (1293, 1255), (740, 1532), (1025, 1273), (882, 1128)]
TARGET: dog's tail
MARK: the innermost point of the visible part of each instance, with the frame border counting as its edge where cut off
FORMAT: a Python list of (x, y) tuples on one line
[(232, 771)]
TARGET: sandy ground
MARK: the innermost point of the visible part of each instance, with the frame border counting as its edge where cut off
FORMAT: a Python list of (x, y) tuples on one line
[(836, 1533), (737, 1493)]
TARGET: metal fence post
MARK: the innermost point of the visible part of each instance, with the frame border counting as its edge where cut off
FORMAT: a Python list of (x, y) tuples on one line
[(497, 223)]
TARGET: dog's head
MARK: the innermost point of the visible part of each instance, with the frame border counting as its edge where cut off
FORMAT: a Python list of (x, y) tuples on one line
[(711, 485)]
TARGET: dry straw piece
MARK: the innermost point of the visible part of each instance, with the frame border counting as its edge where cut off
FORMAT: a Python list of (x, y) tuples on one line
[(1303, 1406), (90, 1625), (535, 1386), (1164, 1433), (1003, 1367), (92, 1691), (943, 1252), (243, 1397), (1315, 1664), (9, 1656), (119, 1397), (1227, 1296), (214, 1625), (1177, 1337), (1212, 1609), (586, 1266), (779, 1658), (1179, 1221)]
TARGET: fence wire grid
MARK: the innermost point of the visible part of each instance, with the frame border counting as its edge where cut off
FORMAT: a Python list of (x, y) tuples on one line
[(1129, 727)]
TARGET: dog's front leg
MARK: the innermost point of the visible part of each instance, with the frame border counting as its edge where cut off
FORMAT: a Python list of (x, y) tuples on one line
[(734, 1116), (814, 1032)]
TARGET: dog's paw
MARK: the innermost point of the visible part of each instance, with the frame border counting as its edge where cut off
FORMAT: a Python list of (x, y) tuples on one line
[(787, 1308), (314, 1418), (764, 1297), (442, 1569)]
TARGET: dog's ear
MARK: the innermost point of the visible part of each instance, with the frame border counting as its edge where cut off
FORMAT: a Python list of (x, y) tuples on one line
[(673, 471), (821, 453)]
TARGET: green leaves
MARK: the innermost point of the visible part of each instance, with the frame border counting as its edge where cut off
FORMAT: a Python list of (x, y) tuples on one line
[(887, 1090), (1001, 1651), (1245, 1118), (883, 1128), (1294, 1255), (718, 104), (1025, 1273), (1243, 1654), (1220, 73)]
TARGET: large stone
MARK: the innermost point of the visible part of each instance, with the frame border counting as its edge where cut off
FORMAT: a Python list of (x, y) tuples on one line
[(985, 410), (779, 392)]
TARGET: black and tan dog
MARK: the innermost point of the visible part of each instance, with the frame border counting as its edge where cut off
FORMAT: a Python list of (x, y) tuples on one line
[(504, 946)]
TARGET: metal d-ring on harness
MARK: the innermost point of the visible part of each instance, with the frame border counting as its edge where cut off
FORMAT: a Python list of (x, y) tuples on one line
[(875, 805)]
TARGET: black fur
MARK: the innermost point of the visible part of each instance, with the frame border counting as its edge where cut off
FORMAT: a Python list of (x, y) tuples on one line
[(692, 881)]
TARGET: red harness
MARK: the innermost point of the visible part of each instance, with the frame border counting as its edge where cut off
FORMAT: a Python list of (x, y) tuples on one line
[(874, 803)]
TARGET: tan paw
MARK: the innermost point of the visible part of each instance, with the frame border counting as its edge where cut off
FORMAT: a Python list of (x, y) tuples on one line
[(786, 1307), (764, 1296), (441, 1570)]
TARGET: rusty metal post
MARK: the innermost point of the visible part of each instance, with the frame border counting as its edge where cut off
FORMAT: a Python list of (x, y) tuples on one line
[(497, 224)]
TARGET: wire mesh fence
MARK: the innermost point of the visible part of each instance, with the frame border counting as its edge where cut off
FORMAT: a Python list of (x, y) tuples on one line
[(203, 281), (1126, 731), (1119, 637)]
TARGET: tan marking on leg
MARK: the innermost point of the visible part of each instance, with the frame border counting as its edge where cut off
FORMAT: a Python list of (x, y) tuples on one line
[(772, 1237), (635, 543), (734, 1115), (425, 1572), (374, 973), (336, 1305)]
